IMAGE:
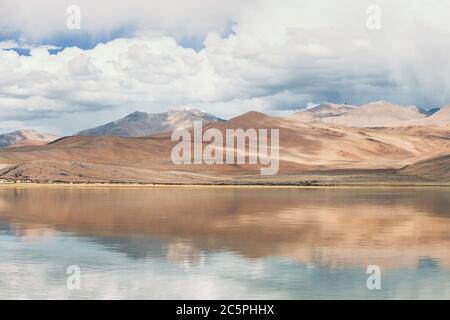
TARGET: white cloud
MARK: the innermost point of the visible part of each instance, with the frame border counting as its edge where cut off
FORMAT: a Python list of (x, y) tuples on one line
[(279, 55), (42, 19), (13, 44)]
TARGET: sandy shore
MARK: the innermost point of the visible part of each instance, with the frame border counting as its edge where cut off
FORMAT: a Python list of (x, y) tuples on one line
[(253, 186)]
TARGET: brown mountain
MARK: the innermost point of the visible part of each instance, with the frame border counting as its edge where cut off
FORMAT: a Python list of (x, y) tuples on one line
[(25, 137), (140, 124), (307, 149), (374, 114), (436, 168), (440, 118)]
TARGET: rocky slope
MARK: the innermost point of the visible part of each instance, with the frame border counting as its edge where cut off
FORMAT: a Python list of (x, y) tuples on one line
[(24, 138), (305, 147), (374, 114), (139, 124)]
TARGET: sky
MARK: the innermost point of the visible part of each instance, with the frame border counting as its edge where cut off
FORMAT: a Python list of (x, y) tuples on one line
[(226, 57)]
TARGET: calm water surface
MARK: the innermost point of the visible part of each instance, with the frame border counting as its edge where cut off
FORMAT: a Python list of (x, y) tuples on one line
[(226, 243)]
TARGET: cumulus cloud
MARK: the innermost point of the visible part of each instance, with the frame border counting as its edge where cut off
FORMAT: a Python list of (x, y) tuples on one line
[(277, 56), (37, 20)]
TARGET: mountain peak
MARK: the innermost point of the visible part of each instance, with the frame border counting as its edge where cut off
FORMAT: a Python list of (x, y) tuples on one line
[(138, 123), (25, 137), (249, 117), (137, 114), (252, 114), (190, 111), (324, 110), (429, 112), (373, 114), (332, 105)]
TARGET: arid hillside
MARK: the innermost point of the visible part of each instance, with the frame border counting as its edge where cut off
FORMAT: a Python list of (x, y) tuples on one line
[(304, 148), (25, 138), (434, 169)]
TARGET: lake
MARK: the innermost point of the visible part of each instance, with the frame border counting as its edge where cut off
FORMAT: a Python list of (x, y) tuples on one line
[(224, 243)]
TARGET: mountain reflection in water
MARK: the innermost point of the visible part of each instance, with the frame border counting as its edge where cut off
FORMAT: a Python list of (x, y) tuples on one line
[(224, 242)]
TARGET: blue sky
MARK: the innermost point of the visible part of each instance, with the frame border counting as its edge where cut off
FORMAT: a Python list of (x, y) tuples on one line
[(225, 57)]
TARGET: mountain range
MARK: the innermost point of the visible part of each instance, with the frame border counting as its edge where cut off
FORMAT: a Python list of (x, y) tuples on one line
[(25, 137), (374, 114), (139, 124), (328, 144)]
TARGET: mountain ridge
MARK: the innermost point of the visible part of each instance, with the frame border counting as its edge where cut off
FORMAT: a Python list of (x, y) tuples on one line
[(372, 114), (25, 137), (139, 124), (305, 147)]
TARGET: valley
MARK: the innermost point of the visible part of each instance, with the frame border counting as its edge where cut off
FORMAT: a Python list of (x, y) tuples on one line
[(311, 152)]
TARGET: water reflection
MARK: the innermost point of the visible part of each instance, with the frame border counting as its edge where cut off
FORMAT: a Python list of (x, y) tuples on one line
[(225, 242)]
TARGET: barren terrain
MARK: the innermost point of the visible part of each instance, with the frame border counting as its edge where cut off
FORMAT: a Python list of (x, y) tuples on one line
[(310, 153)]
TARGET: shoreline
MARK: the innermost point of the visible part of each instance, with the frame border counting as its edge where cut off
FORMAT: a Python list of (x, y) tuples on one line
[(126, 185)]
